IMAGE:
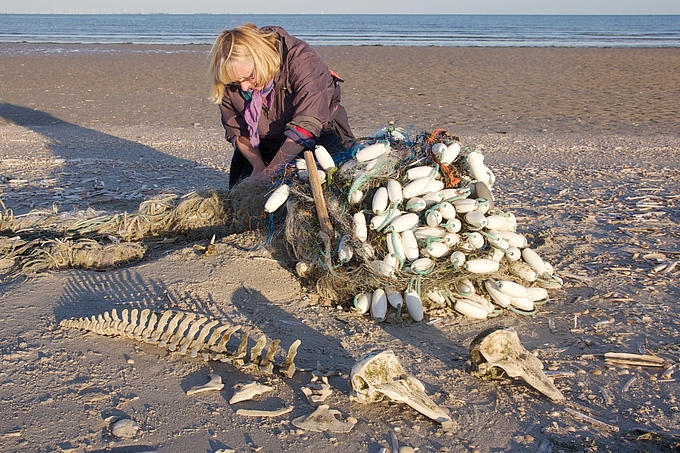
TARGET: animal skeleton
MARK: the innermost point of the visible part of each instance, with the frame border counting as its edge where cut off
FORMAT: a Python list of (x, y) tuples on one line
[(188, 332)]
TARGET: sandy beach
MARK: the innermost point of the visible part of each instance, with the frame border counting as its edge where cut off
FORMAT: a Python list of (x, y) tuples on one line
[(585, 146)]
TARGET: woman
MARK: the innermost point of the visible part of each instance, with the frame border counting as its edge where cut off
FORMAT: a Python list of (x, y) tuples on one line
[(277, 98)]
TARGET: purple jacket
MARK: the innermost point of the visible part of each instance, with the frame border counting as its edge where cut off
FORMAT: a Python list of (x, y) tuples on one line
[(305, 95)]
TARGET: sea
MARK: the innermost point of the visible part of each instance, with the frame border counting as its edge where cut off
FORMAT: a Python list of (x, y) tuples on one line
[(352, 29)]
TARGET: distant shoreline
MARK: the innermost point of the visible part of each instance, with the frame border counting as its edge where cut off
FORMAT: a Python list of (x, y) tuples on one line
[(400, 30)]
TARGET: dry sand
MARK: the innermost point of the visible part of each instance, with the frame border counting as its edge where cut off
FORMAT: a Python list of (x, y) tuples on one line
[(585, 147)]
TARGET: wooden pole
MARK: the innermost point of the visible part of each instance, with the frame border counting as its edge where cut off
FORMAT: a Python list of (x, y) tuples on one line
[(317, 193)]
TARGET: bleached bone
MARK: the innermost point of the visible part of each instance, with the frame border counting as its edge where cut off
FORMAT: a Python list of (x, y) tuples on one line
[(124, 321), (189, 332), (134, 314), (239, 355), (379, 374), (155, 336), (221, 346), (267, 363), (148, 330), (179, 333), (215, 383), (256, 351), (623, 358), (199, 343), (287, 368), (143, 318), (245, 392), (500, 347), (317, 392), (261, 413), (170, 330), (323, 419)]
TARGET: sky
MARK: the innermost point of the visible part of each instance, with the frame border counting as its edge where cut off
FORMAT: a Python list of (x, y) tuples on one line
[(343, 6)]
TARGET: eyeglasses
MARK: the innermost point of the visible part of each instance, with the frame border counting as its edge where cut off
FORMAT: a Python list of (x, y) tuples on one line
[(250, 78)]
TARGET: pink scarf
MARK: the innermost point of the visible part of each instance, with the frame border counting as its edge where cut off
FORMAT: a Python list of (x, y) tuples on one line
[(254, 109)]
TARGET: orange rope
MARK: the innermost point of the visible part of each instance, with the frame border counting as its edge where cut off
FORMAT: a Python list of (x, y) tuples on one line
[(451, 176)]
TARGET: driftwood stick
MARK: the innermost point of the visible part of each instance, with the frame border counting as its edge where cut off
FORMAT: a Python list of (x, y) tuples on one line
[(319, 202)]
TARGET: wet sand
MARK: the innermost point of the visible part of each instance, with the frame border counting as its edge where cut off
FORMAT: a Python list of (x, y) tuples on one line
[(498, 90)]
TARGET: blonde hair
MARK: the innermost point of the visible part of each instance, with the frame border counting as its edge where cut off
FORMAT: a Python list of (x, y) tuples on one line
[(244, 44)]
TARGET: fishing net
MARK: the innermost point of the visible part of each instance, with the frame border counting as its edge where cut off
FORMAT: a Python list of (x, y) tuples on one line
[(345, 266), (408, 213), (89, 239)]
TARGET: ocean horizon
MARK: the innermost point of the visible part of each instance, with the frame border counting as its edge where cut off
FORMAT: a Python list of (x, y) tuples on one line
[(351, 29)]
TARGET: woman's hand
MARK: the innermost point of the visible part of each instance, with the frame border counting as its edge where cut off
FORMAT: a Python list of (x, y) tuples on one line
[(252, 154)]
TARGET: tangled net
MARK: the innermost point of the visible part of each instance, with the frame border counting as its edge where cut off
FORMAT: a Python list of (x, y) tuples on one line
[(43, 240), (347, 266), (456, 261)]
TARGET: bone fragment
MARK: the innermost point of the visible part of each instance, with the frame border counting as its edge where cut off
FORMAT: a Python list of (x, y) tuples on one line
[(379, 374), (256, 351), (179, 333), (107, 325), (669, 371), (245, 392), (134, 319), (240, 352), (115, 320), (124, 428), (146, 333), (215, 383), (155, 336), (500, 347), (199, 343), (267, 363), (169, 331), (261, 413), (288, 366), (622, 358), (222, 345), (323, 419), (99, 325), (317, 393), (143, 318), (124, 322), (191, 335), (585, 418)]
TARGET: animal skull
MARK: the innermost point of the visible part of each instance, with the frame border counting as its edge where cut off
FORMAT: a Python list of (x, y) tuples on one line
[(379, 374), (500, 347)]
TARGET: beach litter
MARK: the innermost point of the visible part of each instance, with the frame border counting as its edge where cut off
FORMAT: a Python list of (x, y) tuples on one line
[(124, 428), (409, 226), (415, 229)]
